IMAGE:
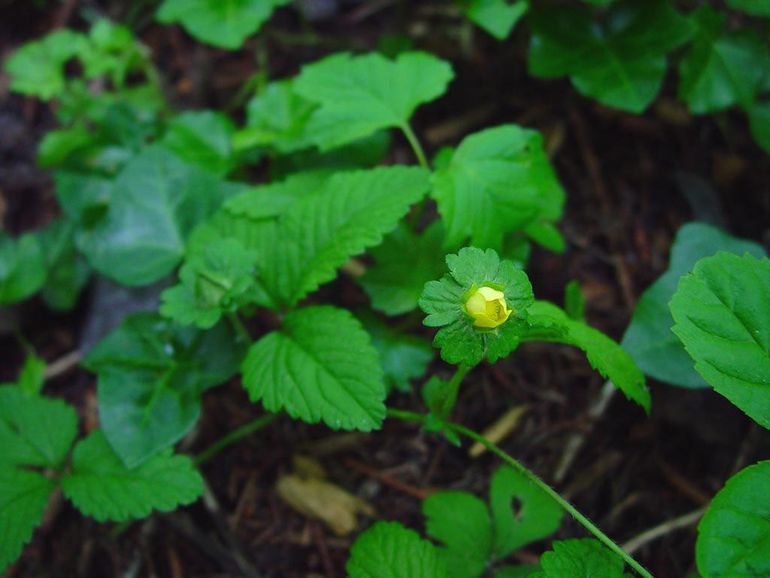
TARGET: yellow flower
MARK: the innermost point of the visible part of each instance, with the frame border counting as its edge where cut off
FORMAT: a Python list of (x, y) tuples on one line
[(488, 308)]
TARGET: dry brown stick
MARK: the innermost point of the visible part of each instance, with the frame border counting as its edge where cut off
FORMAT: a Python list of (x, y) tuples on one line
[(661, 530), (63, 364), (387, 480)]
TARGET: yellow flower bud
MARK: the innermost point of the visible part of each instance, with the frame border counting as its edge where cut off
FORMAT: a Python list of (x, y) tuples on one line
[(488, 308)]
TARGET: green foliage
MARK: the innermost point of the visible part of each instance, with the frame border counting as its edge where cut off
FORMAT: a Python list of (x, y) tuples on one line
[(444, 303), (497, 17), (621, 61), (359, 95), (67, 270), (649, 340), (753, 7), (223, 23), (22, 268), (734, 533), (498, 181), (388, 550), (759, 118), (202, 138), (151, 375), (583, 558), (516, 571), (32, 375), (320, 366), (721, 311)]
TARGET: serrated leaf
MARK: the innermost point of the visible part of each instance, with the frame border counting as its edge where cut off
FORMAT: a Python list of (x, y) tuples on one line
[(753, 7), (151, 375), (34, 431), (620, 62), (23, 498), (359, 95), (498, 17), (101, 486), (498, 181), (404, 262), (22, 268), (223, 23), (605, 355), (320, 366), (202, 138), (735, 530), (583, 558), (649, 340), (721, 311), (460, 521), (388, 550)]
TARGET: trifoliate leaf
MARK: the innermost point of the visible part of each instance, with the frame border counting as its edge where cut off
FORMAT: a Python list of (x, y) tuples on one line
[(583, 558), (444, 303), (223, 23), (359, 95), (498, 17), (404, 262), (320, 366), (34, 431), (202, 138), (649, 340), (22, 268), (621, 62), (151, 374), (101, 486), (388, 550), (23, 498), (721, 311), (753, 7), (734, 533), (460, 521), (499, 181), (605, 355)]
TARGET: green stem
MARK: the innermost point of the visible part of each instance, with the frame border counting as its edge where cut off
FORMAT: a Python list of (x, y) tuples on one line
[(452, 389), (234, 436), (532, 477), (239, 327), (414, 142)]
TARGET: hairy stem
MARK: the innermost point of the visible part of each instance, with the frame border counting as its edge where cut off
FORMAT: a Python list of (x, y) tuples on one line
[(236, 435)]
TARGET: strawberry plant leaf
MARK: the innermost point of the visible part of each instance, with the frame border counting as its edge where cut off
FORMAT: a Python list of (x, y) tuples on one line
[(100, 485), (22, 267), (359, 95), (497, 17), (753, 7), (498, 181), (735, 530), (581, 558), (320, 366), (151, 375), (388, 550), (721, 311), (202, 138), (222, 23)]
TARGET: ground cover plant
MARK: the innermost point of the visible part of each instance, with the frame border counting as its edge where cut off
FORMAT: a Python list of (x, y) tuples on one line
[(268, 268)]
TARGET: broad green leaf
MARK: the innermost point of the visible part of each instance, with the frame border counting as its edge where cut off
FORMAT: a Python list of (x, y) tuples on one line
[(202, 138), (621, 61), (388, 550), (32, 375), (101, 486), (522, 512), (223, 23), (68, 271), (583, 558), (151, 375), (404, 262), (721, 311), (84, 197), (498, 17), (460, 521), (735, 531), (320, 366), (649, 340), (753, 7), (759, 117), (22, 268), (498, 181), (34, 431), (23, 498), (359, 95), (722, 68), (605, 355)]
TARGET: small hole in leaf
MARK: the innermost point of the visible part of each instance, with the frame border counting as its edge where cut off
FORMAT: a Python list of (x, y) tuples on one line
[(517, 507)]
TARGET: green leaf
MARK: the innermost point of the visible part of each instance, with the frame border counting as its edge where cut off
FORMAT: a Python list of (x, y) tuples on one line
[(223, 23), (23, 498), (151, 375), (516, 571), (359, 95), (522, 513), (101, 486), (202, 138), (753, 7), (734, 533), (498, 181), (320, 366), (498, 17), (721, 311), (759, 117), (404, 262), (22, 268), (460, 521), (34, 431), (621, 62), (388, 550), (68, 271), (649, 340), (605, 355), (112, 50), (583, 558), (32, 375), (722, 68), (444, 303)]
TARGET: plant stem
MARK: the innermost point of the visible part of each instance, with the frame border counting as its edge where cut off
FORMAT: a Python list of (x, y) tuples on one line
[(236, 435), (452, 388), (239, 327), (416, 146), (535, 479)]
